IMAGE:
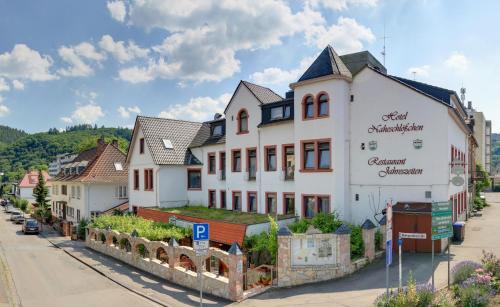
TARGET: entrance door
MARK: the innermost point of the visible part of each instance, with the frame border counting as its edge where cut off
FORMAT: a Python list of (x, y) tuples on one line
[(64, 211)]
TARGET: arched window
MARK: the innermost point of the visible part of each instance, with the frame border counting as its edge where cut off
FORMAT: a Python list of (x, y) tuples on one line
[(308, 111), (323, 107), (243, 121)]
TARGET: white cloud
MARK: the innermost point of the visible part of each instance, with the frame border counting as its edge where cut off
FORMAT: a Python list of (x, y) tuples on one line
[(24, 63), (126, 111), (18, 85), (117, 9), (274, 75), (346, 36), (339, 5), (66, 119), (4, 110), (457, 61), (75, 55), (206, 35), (86, 114), (197, 109), (421, 71), (4, 87), (121, 52)]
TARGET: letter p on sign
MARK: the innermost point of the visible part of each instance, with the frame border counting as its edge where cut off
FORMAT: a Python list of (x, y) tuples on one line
[(200, 232)]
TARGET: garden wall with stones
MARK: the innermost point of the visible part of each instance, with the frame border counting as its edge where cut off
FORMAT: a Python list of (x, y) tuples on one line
[(315, 256), (173, 262)]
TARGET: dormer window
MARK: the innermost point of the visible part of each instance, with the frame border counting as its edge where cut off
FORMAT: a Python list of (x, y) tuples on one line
[(242, 121), (217, 130), (281, 112)]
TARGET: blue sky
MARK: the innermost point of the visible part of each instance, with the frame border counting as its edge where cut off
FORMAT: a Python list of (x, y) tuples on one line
[(95, 61)]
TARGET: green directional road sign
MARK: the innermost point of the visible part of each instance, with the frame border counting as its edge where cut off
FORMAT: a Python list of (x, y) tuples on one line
[(442, 220)]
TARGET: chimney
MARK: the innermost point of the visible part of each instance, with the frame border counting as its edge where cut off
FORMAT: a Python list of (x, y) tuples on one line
[(469, 105), (101, 143), (114, 143)]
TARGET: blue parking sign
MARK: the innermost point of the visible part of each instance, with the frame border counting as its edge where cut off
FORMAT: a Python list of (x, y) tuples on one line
[(388, 252), (200, 232)]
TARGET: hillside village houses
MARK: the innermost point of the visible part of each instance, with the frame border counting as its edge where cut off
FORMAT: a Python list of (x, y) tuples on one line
[(96, 181), (347, 137)]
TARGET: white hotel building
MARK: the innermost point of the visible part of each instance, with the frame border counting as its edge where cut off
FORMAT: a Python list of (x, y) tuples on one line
[(347, 137)]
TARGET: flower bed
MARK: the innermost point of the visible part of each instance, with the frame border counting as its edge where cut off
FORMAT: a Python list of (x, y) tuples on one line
[(154, 231), (474, 285)]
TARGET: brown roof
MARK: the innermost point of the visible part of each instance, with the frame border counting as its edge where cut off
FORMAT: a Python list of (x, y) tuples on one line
[(101, 166), (121, 207), (30, 180)]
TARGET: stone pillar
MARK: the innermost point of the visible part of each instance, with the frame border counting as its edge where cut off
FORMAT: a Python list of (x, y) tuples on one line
[(171, 252), (344, 245), (283, 263), (368, 232), (235, 272)]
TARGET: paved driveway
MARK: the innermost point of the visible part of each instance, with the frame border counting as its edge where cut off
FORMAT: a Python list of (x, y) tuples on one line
[(361, 288)]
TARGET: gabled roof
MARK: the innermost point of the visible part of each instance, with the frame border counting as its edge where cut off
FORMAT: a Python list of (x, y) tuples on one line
[(262, 94), (180, 133), (30, 180), (100, 167), (327, 63)]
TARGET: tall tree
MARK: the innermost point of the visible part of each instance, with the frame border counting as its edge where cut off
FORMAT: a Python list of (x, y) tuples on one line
[(40, 192)]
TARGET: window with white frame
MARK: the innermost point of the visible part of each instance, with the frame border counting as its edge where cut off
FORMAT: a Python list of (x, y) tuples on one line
[(73, 192), (121, 191), (78, 192)]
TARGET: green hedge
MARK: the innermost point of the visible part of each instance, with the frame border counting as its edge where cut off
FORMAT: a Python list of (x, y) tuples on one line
[(150, 230)]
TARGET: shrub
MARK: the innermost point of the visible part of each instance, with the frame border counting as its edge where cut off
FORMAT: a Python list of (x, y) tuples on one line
[(299, 226), (463, 270), (491, 264), (474, 296), (327, 223), (357, 245), (378, 239), (412, 295), (264, 243), (81, 229)]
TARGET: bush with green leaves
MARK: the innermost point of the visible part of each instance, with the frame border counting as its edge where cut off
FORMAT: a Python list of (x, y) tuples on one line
[(463, 270), (412, 295), (357, 244), (265, 244), (299, 226), (378, 239), (81, 229), (325, 222), (154, 231), (474, 296)]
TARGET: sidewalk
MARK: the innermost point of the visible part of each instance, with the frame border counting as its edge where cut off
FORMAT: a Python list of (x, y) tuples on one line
[(160, 291)]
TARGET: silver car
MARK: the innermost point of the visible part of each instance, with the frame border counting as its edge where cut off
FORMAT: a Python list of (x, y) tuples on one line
[(14, 215)]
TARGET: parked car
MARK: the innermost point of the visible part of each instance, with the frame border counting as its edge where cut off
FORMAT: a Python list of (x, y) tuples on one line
[(31, 226), (14, 215), (19, 219)]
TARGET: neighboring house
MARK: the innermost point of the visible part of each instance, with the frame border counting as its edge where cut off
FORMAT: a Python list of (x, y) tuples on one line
[(61, 160), (94, 182), (347, 138), (28, 183)]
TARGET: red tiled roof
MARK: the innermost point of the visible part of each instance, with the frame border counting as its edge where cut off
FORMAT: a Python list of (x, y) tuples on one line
[(221, 232), (30, 180)]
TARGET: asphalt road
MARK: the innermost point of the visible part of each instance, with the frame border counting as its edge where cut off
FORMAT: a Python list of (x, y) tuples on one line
[(34, 273)]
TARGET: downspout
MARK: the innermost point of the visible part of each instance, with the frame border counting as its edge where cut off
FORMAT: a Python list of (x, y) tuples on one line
[(157, 188), (348, 143), (259, 189)]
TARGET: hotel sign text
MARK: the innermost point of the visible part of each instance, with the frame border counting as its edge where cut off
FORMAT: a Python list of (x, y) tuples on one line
[(394, 124)]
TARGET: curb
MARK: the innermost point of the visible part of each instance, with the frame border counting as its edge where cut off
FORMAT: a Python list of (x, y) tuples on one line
[(104, 275)]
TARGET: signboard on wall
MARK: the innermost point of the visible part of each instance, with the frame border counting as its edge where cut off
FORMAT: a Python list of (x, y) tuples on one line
[(307, 250)]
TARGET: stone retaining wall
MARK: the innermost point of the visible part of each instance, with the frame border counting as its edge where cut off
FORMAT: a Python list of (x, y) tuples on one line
[(292, 275), (170, 269)]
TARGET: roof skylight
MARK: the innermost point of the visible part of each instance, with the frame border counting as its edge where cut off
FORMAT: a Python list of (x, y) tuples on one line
[(168, 144), (118, 166)]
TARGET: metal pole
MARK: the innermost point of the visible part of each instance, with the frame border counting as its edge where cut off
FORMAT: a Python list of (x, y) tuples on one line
[(449, 246), (201, 280), (387, 280), (400, 242), (432, 266)]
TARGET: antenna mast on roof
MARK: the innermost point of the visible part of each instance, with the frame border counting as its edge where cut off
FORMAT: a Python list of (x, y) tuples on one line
[(383, 48)]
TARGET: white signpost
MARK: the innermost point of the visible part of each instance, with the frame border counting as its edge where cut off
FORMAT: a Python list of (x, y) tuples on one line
[(200, 246)]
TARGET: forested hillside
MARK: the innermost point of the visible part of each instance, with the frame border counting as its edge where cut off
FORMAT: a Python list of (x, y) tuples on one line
[(37, 150)]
